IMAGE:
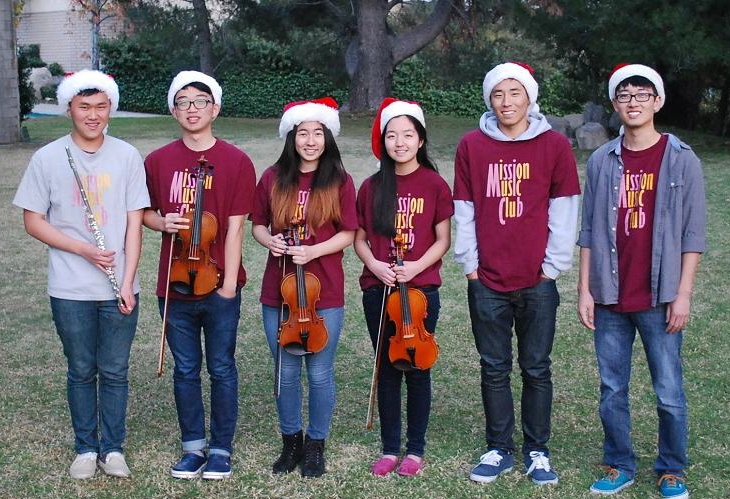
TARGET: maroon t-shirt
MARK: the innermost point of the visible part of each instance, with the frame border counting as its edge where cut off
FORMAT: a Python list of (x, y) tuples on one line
[(423, 201), (327, 268), (635, 226), (228, 191), (511, 184)]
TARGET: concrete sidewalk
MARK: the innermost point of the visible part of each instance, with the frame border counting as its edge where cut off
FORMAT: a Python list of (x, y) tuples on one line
[(54, 110)]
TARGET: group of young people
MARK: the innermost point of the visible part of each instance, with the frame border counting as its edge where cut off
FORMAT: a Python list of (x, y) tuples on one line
[(515, 203)]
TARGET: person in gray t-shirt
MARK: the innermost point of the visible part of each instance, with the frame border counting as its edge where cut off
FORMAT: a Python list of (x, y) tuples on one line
[(83, 195)]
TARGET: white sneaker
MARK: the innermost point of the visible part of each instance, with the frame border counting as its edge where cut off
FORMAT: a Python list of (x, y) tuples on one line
[(84, 466), (114, 464)]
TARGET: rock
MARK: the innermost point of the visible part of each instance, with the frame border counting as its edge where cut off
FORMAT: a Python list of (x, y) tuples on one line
[(574, 122), (614, 123), (595, 113), (40, 77), (591, 136), (559, 124)]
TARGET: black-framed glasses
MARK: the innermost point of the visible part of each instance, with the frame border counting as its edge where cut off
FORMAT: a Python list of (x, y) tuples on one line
[(184, 104), (640, 97)]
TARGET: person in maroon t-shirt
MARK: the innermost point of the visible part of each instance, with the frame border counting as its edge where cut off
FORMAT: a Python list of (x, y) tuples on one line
[(194, 99), (643, 231), (516, 207), (304, 214), (406, 198)]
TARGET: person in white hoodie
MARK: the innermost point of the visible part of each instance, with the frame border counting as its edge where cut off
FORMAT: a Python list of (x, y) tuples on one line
[(516, 197)]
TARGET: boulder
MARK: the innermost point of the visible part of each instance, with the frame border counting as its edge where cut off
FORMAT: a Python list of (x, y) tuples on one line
[(595, 113), (40, 77), (574, 122), (559, 125), (591, 136)]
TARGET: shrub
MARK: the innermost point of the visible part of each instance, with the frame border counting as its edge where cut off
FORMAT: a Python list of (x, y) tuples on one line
[(25, 88), (48, 92), (56, 69)]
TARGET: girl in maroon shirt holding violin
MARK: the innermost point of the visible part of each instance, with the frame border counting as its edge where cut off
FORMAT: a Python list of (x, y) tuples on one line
[(404, 212)]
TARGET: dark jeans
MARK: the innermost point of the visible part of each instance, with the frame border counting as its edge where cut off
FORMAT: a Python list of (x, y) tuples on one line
[(218, 318), (418, 382), (532, 312)]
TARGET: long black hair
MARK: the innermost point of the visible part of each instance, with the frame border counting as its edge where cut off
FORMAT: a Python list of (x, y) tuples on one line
[(323, 204), (384, 181)]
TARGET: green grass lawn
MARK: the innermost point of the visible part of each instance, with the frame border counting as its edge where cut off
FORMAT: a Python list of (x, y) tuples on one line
[(36, 442)]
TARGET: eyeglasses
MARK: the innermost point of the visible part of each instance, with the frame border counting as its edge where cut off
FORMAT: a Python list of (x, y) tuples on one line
[(184, 104), (640, 97)]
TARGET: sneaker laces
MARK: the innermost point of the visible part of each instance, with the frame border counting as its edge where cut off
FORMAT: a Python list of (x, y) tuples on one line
[(539, 461), (610, 473), (491, 458), (670, 478)]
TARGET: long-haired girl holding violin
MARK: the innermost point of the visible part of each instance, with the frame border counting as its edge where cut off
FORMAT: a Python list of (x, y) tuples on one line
[(304, 214), (404, 213)]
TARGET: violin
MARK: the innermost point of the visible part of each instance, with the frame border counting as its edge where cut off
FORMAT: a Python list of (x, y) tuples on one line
[(304, 331), (193, 271), (411, 347)]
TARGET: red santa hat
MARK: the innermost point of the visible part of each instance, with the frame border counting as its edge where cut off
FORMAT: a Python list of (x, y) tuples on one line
[(623, 71), (511, 70), (323, 110), (87, 79), (389, 109), (185, 78)]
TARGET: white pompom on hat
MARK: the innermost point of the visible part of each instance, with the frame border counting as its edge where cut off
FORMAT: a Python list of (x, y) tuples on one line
[(624, 71), (324, 110), (87, 79), (389, 109), (185, 78), (511, 70)]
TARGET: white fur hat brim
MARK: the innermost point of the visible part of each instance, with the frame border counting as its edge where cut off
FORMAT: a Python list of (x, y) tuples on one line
[(401, 108), (87, 79), (296, 113), (185, 78), (630, 70), (506, 71)]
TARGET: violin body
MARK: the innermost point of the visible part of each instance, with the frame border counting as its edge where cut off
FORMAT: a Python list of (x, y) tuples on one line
[(411, 347), (304, 331), (193, 272)]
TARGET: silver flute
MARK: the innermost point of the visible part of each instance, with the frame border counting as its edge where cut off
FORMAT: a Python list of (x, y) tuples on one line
[(98, 236)]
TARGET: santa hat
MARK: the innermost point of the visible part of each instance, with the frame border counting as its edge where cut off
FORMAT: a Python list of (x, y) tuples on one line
[(87, 79), (324, 110), (185, 78), (511, 70), (389, 109), (624, 71)]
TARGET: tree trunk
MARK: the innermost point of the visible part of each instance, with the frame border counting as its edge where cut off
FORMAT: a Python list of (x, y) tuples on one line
[(375, 52), (10, 107), (205, 46), (723, 110)]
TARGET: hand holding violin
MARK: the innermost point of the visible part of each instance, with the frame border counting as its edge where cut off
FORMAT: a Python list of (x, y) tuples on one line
[(174, 222), (407, 271)]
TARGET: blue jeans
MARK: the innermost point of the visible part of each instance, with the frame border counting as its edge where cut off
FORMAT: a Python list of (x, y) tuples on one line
[(218, 318), (418, 382), (614, 339), (320, 376), (97, 339), (532, 312)]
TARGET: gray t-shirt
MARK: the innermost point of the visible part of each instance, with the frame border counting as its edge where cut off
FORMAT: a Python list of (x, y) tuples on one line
[(114, 181)]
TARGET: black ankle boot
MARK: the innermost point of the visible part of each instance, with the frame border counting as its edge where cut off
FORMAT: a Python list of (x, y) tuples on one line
[(313, 465), (291, 453)]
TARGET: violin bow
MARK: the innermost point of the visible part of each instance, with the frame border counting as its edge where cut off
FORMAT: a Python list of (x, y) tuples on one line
[(163, 335), (277, 360), (376, 365)]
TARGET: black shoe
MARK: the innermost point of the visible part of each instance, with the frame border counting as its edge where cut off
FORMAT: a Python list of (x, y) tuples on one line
[(291, 453), (313, 465)]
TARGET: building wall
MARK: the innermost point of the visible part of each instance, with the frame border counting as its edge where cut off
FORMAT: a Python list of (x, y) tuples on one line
[(64, 34)]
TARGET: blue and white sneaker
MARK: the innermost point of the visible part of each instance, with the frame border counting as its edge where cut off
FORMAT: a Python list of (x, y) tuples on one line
[(491, 465), (218, 467), (612, 481), (672, 487), (539, 469), (189, 466)]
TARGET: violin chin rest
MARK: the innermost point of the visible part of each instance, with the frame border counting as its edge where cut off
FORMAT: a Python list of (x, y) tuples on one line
[(295, 349)]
